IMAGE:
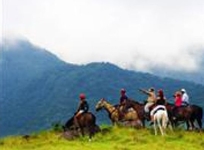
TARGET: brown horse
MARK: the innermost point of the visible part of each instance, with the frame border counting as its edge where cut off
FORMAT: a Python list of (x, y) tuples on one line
[(86, 122), (139, 107), (114, 113), (188, 114)]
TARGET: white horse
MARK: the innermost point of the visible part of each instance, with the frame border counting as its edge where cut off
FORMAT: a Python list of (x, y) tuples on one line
[(160, 119)]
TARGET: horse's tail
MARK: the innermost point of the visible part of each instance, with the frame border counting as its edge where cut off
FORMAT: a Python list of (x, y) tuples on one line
[(199, 111), (70, 122)]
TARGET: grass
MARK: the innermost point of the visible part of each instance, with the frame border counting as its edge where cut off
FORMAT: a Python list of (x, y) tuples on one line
[(118, 138)]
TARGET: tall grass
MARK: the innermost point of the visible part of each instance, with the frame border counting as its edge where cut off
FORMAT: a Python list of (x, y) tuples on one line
[(115, 138)]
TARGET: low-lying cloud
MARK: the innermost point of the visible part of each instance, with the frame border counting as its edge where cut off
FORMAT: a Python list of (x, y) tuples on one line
[(139, 35)]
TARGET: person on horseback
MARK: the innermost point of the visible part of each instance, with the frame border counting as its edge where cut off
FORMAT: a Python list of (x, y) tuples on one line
[(161, 99), (82, 108), (150, 100), (123, 100), (185, 98), (178, 99), (177, 103), (160, 104)]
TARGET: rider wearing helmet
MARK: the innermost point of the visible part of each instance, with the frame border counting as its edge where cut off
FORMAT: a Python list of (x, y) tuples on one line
[(82, 108), (160, 102), (185, 97), (161, 99), (151, 98), (122, 105), (123, 96)]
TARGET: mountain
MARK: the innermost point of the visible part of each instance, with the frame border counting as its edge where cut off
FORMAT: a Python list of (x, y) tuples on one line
[(196, 76), (38, 89)]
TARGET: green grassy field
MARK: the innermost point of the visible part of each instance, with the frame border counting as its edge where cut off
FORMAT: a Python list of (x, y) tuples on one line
[(117, 138)]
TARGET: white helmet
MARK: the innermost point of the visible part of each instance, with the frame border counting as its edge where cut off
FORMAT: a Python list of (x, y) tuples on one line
[(183, 90)]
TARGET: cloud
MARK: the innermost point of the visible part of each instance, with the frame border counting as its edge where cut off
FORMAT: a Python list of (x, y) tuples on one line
[(134, 34)]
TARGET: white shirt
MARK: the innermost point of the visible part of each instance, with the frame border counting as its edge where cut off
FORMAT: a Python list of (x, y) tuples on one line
[(185, 98)]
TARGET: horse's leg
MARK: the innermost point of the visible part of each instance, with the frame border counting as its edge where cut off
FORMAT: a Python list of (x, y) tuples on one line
[(159, 124), (91, 130), (170, 125), (82, 130), (199, 123), (164, 122), (189, 125), (155, 126), (143, 123)]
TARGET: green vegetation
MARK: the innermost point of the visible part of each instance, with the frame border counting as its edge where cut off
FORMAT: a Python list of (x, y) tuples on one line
[(117, 138), (38, 89)]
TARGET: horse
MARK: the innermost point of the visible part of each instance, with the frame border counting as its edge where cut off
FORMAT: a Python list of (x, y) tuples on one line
[(86, 122), (139, 107), (114, 115), (197, 115), (160, 118), (188, 114)]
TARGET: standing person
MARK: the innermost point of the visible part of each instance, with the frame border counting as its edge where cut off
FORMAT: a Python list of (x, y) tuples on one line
[(185, 97), (82, 108), (151, 99)]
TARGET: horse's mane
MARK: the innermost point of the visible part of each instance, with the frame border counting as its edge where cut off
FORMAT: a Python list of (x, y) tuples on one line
[(134, 101)]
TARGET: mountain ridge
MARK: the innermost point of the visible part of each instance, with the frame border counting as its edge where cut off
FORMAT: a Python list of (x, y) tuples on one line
[(35, 94)]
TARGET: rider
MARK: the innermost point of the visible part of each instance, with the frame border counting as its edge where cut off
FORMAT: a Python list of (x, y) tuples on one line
[(177, 103), (161, 99), (150, 100), (178, 99), (123, 100), (82, 108), (185, 98), (160, 102)]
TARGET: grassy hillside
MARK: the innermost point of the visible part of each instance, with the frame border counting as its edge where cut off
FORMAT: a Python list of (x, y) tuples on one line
[(116, 139), (37, 89)]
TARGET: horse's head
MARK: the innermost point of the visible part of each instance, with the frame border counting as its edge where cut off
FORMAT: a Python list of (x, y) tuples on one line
[(100, 104)]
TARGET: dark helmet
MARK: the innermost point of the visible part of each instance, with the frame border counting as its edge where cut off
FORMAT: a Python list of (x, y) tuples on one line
[(82, 96), (122, 91), (151, 89)]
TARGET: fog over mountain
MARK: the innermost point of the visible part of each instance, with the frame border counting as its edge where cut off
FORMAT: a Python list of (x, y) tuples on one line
[(38, 89)]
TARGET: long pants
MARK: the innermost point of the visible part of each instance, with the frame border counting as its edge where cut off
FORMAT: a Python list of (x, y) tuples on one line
[(146, 107)]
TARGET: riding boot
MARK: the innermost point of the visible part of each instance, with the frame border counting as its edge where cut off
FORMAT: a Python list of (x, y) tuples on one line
[(151, 120), (76, 122), (147, 116)]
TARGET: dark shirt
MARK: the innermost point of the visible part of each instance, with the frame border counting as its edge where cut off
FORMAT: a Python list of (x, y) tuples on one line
[(160, 102), (123, 99), (83, 106)]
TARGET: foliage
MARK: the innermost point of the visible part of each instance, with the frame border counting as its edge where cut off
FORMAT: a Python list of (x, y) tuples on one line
[(117, 138), (37, 89)]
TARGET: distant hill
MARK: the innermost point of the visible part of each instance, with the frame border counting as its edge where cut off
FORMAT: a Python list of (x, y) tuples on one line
[(197, 76), (38, 89)]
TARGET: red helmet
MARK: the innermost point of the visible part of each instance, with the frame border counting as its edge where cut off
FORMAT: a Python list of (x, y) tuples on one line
[(82, 96), (160, 91), (122, 91)]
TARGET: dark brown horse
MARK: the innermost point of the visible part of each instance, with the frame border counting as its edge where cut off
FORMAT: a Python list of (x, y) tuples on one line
[(188, 114), (86, 122), (139, 107)]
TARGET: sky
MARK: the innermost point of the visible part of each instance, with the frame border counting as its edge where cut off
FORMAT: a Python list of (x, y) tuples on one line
[(133, 34)]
